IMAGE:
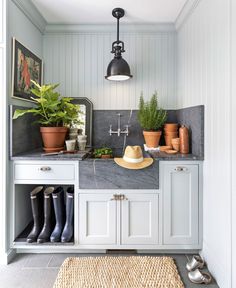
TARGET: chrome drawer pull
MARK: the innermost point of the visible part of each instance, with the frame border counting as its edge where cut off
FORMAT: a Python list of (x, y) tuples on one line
[(180, 169), (123, 197), (45, 168), (115, 197)]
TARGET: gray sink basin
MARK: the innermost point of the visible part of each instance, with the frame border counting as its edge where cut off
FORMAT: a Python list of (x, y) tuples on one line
[(106, 174)]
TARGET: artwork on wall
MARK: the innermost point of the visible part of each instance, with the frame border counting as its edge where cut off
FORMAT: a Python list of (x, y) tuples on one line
[(26, 66)]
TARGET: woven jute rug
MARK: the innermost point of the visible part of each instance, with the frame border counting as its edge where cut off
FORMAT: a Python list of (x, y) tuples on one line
[(118, 272)]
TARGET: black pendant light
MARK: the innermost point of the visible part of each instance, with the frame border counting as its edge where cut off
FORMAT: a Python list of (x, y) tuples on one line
[(118, 69)]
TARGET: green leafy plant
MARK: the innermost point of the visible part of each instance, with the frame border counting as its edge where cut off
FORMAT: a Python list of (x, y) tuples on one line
[(52, 110), (102, 151), (150, 116)]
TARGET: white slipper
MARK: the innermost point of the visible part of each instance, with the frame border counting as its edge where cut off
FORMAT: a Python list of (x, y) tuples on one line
[(195, 263), (199, 277)]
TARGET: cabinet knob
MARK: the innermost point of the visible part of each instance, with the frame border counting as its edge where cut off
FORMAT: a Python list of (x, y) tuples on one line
[(45, 168), (180, 169)]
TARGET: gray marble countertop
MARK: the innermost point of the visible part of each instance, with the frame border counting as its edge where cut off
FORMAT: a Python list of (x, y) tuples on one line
[(40, 155), (162, 156), (82, 155)]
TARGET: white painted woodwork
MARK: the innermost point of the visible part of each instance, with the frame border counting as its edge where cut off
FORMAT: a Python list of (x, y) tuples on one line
[(233, 145), (73, 11), (44, 171), (140, 219), (78, 61), (26, 177), (204, 77), (97, 219), (3, 132), (181, 204)]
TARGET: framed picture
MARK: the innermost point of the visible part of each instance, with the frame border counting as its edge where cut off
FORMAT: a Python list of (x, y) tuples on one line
[(26, 66)]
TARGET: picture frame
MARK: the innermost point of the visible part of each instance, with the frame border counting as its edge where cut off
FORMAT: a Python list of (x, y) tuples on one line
[(26, 66)]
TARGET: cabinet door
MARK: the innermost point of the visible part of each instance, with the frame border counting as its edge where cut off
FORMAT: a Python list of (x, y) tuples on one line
[(181, 203), (139, 219), (97, 219)]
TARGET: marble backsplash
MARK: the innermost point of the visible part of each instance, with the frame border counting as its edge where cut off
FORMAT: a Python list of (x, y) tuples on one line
[(24, 133), (24, 136), (192, 117)]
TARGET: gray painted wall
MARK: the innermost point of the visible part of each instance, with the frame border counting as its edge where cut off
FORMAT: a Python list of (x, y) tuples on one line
[(25, 31)]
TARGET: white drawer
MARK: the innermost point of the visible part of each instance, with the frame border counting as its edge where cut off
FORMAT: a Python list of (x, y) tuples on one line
[(44, 171)]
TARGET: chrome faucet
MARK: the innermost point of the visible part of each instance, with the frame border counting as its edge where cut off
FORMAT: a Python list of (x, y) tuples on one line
[(119, 131)]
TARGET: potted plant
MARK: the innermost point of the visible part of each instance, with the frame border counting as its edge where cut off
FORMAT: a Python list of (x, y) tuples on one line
[(103, 152), (151, 119), (53, 113)]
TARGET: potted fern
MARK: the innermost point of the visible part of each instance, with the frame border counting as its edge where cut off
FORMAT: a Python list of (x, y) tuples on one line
[(151, 119), (54, 113)]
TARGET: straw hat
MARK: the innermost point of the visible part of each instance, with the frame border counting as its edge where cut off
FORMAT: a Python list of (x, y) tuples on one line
[(133, 158)]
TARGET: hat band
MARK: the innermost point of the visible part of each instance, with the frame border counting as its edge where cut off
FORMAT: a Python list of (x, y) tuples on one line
[(132, 160)]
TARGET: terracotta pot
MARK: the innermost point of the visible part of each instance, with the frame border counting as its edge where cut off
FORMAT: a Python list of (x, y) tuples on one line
[(171, 127), (106, 156), (152, 138), (175, 141), (175, 147), (173, 134), (53, 138), (169, 138)]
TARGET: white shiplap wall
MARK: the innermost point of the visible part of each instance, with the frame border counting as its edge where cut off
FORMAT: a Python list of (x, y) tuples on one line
[(203, 45), (233, 106), (3, 123), (78, 61)]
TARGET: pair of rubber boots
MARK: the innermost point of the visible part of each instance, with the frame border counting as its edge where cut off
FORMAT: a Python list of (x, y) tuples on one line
[(52, 220)]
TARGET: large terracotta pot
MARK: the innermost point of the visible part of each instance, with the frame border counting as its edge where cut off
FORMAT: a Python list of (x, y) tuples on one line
[(152, 138), (171, 127), (53, 138)]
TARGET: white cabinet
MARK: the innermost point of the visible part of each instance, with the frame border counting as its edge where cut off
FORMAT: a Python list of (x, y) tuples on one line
[(180, 204), (131, 219), (97, 219), (140, 219), (26, 175)]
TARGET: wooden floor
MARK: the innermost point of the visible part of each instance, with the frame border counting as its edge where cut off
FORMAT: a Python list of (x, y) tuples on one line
[(40, 270)]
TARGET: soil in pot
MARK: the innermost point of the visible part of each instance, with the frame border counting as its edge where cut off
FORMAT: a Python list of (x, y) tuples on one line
[(152, 138), (53, 138)]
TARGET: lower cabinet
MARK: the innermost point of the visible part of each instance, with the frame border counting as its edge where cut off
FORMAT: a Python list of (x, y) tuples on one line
[(118, 219), (139, 219), (181, 204), (97, 219)]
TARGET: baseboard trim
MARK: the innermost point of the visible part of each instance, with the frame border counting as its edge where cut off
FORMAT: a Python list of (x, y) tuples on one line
[(60, 251), (7, 257)]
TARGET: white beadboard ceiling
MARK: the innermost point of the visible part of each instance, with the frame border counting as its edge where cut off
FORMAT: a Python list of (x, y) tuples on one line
[(99, 11)]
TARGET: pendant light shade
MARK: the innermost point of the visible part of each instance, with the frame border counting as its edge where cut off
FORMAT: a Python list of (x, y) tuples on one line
[(118, 69)]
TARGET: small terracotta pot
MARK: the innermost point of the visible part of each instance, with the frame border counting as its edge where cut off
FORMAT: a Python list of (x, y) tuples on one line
[(152, 138), (106, 156), (169, 138), (171, 127), (53, 138), (175, 147), (175, 141)]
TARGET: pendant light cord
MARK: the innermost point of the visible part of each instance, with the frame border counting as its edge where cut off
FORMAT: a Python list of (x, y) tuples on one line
[(118, 30)]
